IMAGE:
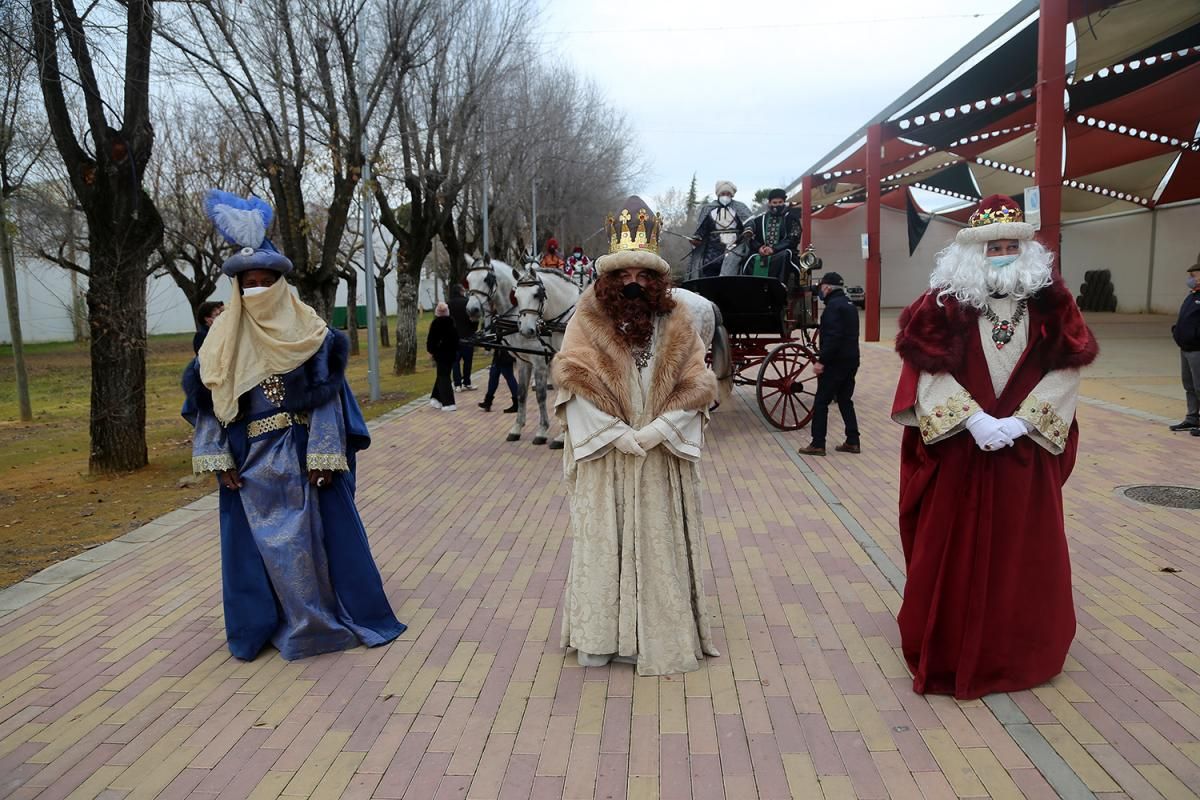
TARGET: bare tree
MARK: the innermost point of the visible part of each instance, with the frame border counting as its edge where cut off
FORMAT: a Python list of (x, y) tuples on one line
[(287, 72), (553, 127), (22, 143), (123, 225), (193, 155), (432, 153)]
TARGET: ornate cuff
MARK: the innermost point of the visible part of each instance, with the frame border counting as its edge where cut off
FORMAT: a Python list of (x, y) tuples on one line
[(214, 463), (942, 418), (331, 461), (1045, 420)]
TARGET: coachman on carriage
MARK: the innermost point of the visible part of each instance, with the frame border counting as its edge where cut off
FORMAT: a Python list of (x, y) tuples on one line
[(769, 308)]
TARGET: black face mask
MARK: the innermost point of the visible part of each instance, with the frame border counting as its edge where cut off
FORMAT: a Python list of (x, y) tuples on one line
[(633, 291), (778, 210)]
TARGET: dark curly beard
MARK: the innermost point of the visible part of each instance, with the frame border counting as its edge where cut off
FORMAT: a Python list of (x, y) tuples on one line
[(633, 320)]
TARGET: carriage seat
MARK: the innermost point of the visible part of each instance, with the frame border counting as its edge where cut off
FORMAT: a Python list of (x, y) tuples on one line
[(783, 270)]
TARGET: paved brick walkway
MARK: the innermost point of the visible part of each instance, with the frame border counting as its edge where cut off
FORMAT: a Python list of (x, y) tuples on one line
[(118, 684)]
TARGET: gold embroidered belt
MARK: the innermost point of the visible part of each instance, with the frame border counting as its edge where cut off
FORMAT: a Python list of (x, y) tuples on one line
[(275, 422)]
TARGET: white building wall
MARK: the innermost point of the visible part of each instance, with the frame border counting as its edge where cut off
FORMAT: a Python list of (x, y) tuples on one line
[(44, 297), (1118, 244)]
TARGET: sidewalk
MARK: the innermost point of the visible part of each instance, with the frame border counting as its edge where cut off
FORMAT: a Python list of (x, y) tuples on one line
[(117, 683)]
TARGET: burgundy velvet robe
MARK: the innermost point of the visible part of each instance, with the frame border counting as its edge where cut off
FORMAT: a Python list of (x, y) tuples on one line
[(987, 604)]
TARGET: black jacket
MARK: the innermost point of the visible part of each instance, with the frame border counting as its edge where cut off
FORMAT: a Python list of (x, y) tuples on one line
[(442, 342), (839, 332), (1186, 329), (458, 312), (788, 237)]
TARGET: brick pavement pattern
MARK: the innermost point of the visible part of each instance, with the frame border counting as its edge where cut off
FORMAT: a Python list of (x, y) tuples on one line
[(118, 684)]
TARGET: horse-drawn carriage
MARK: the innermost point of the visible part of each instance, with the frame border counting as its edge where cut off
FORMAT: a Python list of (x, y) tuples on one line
[(761, 331), (771, 318)]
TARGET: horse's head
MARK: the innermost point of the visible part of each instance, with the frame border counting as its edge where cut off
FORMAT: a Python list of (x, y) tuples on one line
[(530, 295), (482, 290)]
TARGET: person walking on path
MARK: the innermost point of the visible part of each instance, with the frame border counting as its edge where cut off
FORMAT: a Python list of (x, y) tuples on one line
[(988, 388), (442, 344), (502, 367), (836, 367), (1186, 332), (276, 422), (461, 372), (633, 397)]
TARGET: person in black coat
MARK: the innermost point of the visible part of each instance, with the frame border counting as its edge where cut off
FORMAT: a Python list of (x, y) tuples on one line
[(1186, 332), (442, 344), (773, 237), (466, 329), (206, 315), (837, 364)]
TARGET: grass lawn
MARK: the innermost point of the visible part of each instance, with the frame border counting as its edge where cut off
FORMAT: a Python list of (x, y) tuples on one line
[(51, 509)]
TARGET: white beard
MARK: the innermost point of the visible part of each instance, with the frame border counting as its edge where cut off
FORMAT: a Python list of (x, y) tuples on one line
[(963, 272)]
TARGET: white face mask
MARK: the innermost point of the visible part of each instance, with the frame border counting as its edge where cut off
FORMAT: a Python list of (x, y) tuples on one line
[(724, 200), (250, 291)]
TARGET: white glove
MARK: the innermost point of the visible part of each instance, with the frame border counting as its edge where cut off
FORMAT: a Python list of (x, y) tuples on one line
[(627, 443), (649, 437), (1015, 428), (989, 433)]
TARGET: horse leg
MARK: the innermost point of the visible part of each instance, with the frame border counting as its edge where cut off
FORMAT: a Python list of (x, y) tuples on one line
[(523, 375), (541, 377)]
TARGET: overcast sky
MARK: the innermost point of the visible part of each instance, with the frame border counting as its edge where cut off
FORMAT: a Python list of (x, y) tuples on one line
[(754, 91)]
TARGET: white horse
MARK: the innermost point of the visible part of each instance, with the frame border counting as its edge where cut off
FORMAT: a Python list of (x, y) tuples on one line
[(491, 286), (546, 300)]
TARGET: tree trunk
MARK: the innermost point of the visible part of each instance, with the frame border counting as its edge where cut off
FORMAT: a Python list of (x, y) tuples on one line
[(407, 309), (116, 299), (381, 308), (14, 314), (352, 309), (321, 296), (78, 306)]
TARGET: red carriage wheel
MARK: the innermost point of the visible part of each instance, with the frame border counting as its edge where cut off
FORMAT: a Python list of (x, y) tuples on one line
[(787, 386)]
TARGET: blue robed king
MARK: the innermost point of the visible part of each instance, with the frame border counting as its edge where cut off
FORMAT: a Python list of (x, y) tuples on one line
[(296, 566)]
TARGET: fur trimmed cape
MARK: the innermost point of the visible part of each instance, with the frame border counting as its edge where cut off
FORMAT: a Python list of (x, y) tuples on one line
[(931, 336), (595, 364)]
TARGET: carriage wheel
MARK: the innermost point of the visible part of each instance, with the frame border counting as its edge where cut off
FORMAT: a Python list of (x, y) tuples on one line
[(787, 386)]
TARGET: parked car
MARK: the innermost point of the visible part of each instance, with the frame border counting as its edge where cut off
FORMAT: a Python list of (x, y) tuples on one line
[(857, 295)]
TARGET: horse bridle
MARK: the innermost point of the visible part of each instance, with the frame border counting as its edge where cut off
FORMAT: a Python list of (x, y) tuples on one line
[(489, 296)]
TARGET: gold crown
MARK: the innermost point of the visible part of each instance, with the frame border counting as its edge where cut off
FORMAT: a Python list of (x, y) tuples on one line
[(642, 237), (995, 214)]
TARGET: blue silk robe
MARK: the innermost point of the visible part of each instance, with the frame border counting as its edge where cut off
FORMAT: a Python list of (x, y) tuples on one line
[(296, 567)]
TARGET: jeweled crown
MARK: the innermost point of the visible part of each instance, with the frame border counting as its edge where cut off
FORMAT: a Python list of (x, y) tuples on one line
[(634, 228), (994, 209)]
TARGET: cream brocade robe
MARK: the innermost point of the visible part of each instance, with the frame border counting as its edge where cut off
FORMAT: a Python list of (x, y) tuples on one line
[(943, 405), (635, 586)]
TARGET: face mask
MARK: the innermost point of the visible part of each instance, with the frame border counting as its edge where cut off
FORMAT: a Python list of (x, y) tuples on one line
[(999, 262), (724, 200), (250, 291), (551, 250), (778, 210), (1192, 282), (633, 291), (578, 254)]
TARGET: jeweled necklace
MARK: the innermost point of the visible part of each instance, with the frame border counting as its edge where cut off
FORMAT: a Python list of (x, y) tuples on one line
[(1003, 329)]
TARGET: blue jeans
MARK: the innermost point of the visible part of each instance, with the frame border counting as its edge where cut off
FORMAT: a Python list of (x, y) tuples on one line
[(462, 377), (495, 372)]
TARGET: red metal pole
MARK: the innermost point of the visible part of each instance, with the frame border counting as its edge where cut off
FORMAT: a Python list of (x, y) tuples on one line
[(1051, 87), (874, 163), (806, 212)]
